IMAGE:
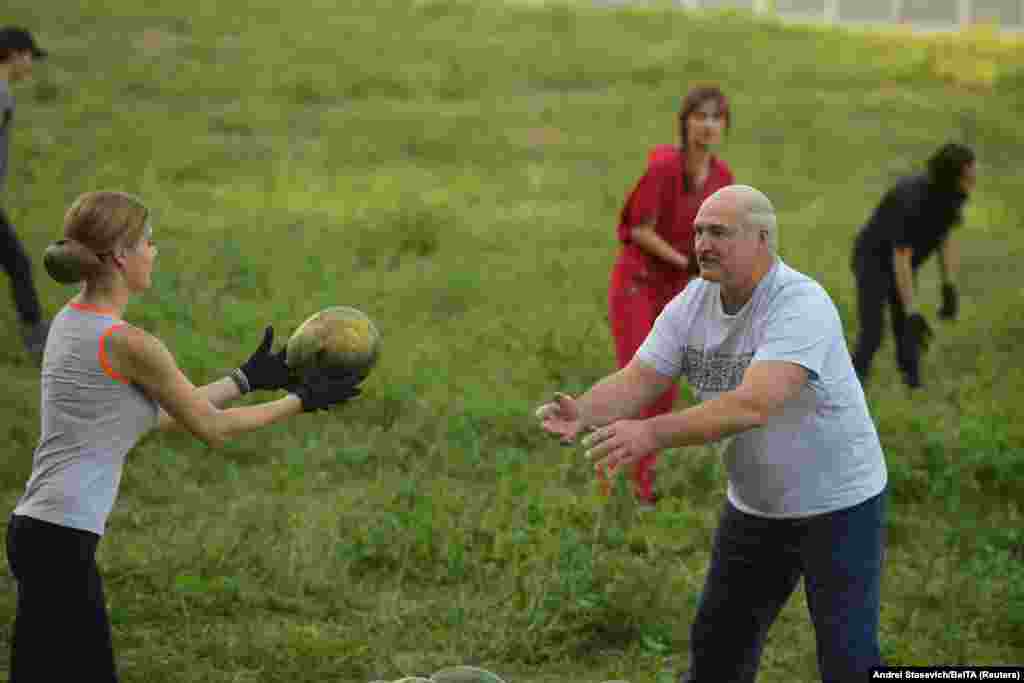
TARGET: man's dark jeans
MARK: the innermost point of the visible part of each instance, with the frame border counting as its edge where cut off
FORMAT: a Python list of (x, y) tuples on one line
[(755, 565)]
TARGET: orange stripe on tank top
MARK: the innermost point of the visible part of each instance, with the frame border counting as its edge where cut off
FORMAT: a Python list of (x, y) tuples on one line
[(89, 308), (105, 361)]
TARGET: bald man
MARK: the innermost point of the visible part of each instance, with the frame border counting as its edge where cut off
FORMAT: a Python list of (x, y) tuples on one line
[(762, 347)]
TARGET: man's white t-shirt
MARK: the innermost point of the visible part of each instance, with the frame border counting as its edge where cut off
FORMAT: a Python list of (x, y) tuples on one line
[(821, 452)]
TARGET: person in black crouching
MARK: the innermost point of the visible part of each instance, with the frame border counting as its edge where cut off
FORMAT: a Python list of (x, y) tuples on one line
[(913, 220)]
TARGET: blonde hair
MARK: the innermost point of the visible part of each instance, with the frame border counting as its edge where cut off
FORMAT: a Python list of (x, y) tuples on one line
[(96, 224)]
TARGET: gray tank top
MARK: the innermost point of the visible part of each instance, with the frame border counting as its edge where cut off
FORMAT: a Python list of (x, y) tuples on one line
[(91, 417)]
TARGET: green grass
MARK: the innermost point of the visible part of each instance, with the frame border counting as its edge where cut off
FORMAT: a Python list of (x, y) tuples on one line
[(455, 170)]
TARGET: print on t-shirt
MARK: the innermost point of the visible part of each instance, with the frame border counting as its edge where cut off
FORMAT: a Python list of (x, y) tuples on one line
[(714, 371)]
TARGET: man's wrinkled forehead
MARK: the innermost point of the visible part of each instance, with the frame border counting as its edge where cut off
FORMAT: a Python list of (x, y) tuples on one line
[(721, 208)]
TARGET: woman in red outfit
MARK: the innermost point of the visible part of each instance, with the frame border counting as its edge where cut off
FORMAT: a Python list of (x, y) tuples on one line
[(656, 260)]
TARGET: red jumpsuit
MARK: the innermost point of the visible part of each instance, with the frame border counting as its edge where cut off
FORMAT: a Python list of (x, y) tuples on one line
[(641, 283)]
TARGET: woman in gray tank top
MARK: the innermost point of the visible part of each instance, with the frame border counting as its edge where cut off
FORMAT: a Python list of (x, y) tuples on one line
[(104, 384)]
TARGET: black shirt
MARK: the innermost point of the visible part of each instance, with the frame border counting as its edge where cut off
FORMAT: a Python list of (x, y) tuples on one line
[(914, 213)]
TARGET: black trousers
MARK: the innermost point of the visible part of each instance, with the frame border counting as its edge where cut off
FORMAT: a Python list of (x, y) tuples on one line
[(876, 287), (756, 563), (61, 628), (19, 268)]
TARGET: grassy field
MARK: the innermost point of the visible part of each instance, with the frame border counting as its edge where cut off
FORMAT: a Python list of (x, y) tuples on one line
[(455, 169)]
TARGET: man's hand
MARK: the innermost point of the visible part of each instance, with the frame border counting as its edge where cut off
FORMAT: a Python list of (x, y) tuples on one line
[(561, 417), (620, 443)]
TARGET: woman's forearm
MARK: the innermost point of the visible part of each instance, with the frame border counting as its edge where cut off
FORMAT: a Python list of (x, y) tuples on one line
[(651, 242), (949, 261), (243, 419), (220, 393), (904, 274)]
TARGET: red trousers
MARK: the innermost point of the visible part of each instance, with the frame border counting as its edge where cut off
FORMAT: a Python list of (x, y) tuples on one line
[(635, 298)]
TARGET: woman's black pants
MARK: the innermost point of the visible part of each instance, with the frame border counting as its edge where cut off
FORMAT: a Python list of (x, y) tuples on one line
[(61, 629), (876, 286), (19, 267)]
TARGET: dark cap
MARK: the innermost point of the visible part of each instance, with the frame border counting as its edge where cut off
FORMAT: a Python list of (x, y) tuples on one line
[(16, 38)]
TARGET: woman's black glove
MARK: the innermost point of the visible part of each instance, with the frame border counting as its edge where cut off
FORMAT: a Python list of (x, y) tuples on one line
[(263, 370), (319, 390), (950, 302), (919, 331)]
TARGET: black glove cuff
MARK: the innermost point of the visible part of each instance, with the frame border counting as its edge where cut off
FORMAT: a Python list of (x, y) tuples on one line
[(241, 380), (303, 394)]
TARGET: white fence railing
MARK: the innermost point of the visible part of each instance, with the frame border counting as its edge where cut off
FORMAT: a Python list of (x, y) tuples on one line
[(936, 14)]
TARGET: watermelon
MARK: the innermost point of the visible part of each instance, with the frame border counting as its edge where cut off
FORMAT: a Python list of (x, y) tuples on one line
[(336, 338), (465, 674)]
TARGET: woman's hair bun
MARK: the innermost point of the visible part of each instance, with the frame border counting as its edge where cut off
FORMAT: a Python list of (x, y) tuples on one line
[(68, 261)]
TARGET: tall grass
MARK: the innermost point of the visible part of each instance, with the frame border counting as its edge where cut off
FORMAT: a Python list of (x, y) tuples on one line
[(455, 169)]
